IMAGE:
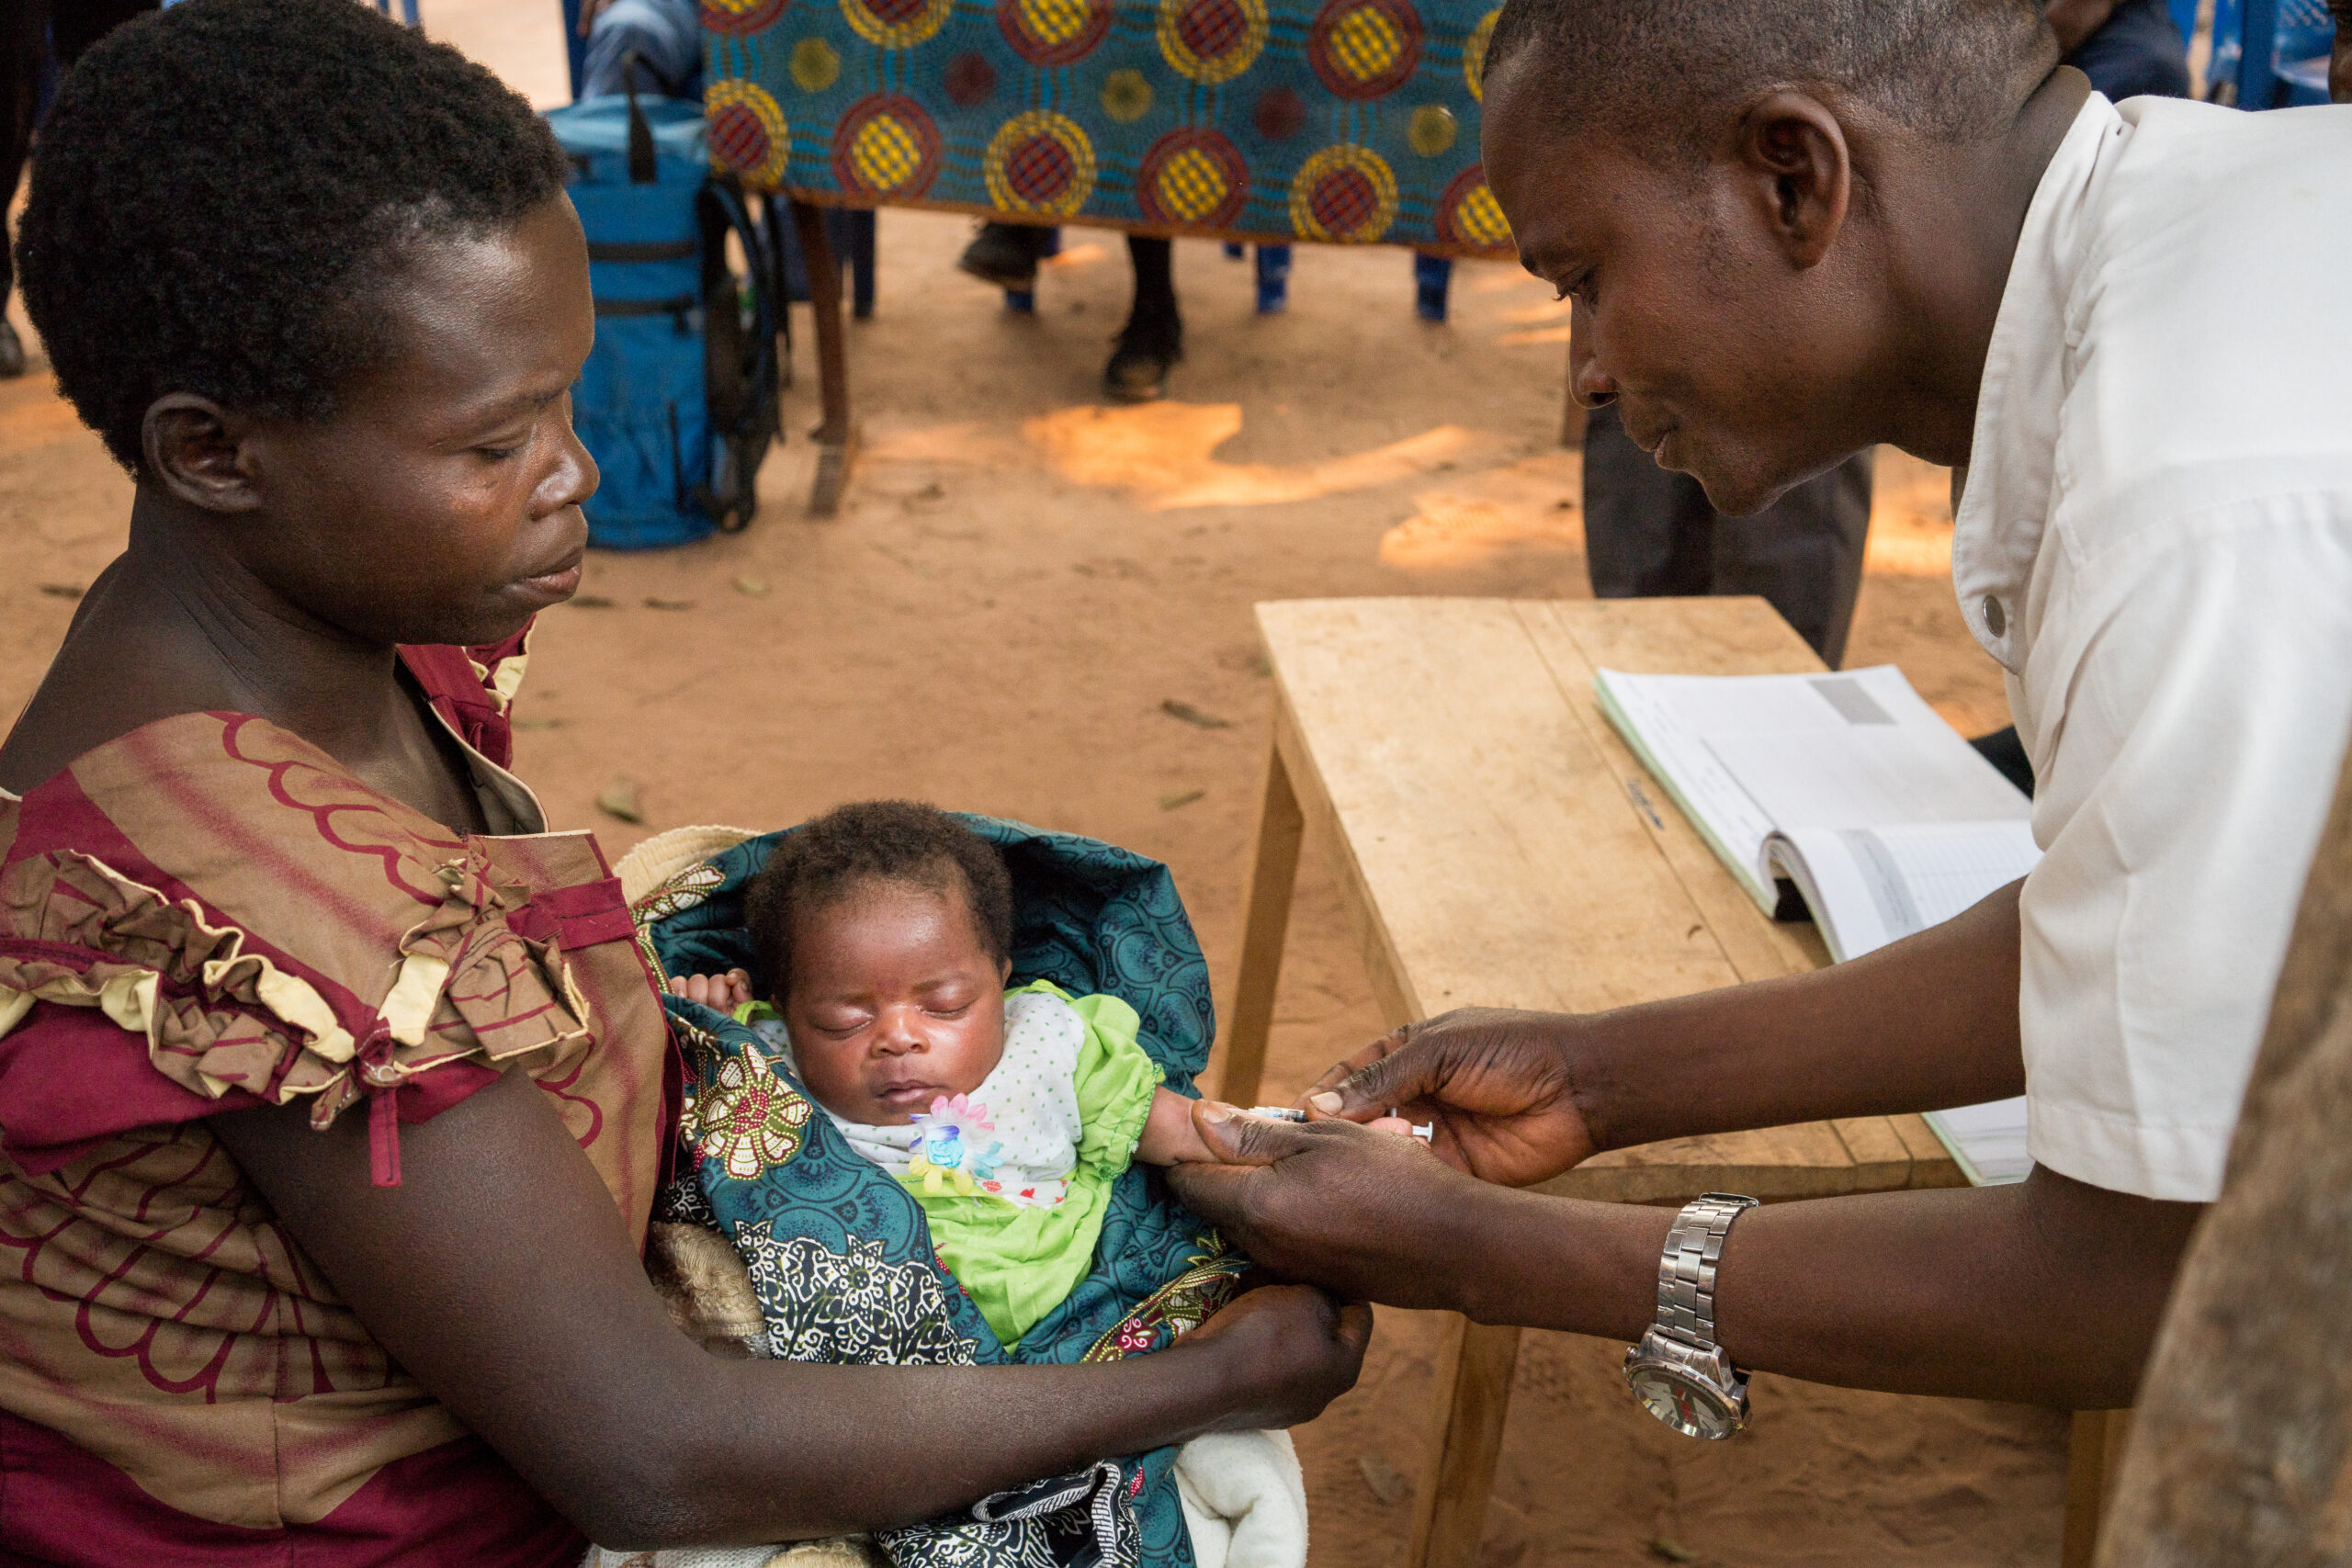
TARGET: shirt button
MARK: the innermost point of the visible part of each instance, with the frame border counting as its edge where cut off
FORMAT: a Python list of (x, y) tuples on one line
[(1996, 620)]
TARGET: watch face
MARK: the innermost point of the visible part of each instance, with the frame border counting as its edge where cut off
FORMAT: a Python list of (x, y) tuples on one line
[(1692, 1408)]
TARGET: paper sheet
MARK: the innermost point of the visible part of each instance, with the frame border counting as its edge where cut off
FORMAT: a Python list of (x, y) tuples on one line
[(1857, 760), (1744, 754)]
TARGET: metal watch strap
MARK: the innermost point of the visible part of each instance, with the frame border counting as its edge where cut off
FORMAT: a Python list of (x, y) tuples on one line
[(1686, 1270)]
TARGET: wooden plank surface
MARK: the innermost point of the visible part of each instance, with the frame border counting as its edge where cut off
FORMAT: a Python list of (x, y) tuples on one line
[(1265, 923), (1498, 857), (1501, 846), (1473, 1384)]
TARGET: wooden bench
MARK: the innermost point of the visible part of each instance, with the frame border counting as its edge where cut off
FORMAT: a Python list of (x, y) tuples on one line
[(1498, 845)]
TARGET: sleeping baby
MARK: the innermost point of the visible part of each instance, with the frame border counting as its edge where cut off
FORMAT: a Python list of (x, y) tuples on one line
[(886, 928)]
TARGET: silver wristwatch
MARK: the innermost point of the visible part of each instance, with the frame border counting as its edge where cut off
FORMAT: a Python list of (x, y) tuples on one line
[(1677, 1371)]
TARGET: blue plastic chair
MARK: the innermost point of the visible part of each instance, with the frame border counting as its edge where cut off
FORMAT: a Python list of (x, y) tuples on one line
[(2291, 73)]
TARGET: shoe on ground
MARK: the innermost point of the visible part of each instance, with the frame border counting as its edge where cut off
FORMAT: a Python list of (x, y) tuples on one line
[(1005, 254), (1146, 351), (12, 350)]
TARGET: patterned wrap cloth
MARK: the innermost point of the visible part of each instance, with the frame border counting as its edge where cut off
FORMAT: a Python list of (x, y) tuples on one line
[(1350, 121), (210, 914), (840, 1255)]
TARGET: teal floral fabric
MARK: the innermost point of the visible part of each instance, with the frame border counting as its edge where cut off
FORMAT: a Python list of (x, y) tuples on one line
[(1346, 121), (839, 1253)]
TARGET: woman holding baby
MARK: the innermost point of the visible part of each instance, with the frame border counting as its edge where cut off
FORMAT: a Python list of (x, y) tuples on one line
[(335, 1093)]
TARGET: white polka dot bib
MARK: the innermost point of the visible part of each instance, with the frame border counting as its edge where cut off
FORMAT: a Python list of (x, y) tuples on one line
[(1014, 1137)]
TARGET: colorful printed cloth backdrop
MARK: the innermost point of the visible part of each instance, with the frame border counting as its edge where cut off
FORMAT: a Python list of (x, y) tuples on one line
[(1353, 121)]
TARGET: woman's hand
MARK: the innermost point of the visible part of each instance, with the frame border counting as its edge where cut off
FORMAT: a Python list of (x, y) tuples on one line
[(1288, 1349), (1496, 1087), (1368, 1215)]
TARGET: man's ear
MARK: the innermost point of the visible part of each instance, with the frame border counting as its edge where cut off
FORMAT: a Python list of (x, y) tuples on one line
[(1795, 152), (196, 450)]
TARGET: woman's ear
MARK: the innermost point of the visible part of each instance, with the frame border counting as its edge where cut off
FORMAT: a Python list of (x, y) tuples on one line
[(1003, 970), (196, 450), (1794, 152)]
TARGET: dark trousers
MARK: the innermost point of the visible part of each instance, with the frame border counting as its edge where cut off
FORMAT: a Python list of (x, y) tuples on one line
[(2136, 52), (1649, 533), (26, 27)]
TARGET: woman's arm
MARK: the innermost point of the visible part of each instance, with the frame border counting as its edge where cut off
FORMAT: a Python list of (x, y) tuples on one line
[(500, 1274)]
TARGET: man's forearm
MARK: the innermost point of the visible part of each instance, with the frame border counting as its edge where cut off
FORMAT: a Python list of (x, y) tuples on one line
[(1927, 1022), (2047, 1292)]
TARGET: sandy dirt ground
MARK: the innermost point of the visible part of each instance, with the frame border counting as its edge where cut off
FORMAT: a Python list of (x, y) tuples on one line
[(1020, 582)]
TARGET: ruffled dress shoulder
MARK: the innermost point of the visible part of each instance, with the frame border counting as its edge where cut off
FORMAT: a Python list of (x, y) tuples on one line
[(210, 914)]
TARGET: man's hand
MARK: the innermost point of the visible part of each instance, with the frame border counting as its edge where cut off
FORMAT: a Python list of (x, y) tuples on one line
[(1495, 1085), (1368, 1215)]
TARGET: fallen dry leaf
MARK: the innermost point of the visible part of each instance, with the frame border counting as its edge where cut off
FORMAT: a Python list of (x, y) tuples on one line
[(1182, 797), (618, 799), (1387, 1483), (653, 603), (591, 601), (1193, 716), (61, 589), (757, 587)]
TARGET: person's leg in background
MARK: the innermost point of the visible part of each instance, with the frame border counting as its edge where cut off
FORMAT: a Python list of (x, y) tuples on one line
[(1650, 533), (575, 46), (1007, 254), (2128, 49), (1645, 528), (664, 35), (1152, 342), (1804, 554)]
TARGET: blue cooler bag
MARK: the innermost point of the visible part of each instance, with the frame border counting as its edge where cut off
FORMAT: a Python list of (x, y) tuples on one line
[(677, 402)]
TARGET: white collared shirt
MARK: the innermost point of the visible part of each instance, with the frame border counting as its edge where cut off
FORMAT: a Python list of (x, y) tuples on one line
[(2155, 542)]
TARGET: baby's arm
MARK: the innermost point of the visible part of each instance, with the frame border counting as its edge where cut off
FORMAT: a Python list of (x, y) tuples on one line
[(1168, 1136), (725, 993)]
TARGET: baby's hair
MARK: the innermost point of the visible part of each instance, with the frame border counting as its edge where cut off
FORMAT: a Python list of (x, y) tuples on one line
[(899, 841), (221, 190)]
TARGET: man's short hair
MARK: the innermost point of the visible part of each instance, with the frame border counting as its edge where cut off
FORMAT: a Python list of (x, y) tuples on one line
[(1663, 76), (851, 849), (219, 188)]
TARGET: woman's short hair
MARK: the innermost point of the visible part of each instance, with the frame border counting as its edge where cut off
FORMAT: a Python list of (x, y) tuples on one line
[(868, 842), (221, 188)]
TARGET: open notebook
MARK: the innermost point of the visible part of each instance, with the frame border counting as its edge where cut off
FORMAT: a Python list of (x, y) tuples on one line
[(1845, 796)]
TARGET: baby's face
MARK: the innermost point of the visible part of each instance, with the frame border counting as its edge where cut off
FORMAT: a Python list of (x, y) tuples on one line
[(894, 1001)]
